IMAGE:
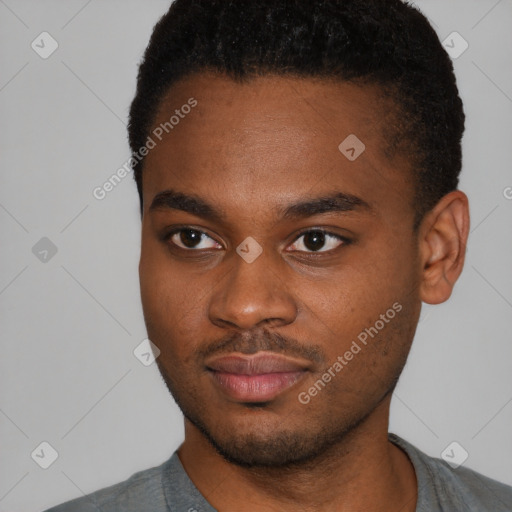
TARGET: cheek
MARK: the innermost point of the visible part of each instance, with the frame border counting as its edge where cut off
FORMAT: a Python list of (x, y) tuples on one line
[(351, 300), (171, 304)]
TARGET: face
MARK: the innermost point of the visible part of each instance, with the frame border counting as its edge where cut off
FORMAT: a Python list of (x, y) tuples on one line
[(279, 272)]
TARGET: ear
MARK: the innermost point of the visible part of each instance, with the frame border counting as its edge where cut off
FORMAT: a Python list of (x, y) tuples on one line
[(442, 245)]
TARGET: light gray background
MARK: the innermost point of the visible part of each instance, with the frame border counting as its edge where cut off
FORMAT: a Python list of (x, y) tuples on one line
[(70, 325)]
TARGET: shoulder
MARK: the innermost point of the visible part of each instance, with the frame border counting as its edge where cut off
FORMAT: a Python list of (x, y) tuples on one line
[(142, 491), (442, 487)]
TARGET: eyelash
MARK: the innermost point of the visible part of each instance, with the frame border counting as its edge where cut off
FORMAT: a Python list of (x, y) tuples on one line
[(344, 241)]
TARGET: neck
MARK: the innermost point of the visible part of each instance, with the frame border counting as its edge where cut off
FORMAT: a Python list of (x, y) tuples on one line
[(363, 471)]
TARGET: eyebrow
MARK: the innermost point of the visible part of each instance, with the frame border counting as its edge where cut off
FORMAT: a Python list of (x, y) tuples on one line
[(170, 199), (336, 202)]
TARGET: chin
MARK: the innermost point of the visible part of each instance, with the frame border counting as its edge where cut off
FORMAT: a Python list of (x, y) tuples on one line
[(265, 445), (263, 434)]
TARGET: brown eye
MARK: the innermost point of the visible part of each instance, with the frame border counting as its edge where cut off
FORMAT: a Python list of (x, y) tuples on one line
[(317, 241), (193, 239)]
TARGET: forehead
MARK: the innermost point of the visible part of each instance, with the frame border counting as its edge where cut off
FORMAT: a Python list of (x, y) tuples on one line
[(272, 138)]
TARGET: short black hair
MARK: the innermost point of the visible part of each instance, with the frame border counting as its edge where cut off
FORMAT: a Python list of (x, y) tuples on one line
[(388, 43)]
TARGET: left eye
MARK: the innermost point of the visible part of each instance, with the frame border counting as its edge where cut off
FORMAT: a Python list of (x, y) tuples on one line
[(317, 241)]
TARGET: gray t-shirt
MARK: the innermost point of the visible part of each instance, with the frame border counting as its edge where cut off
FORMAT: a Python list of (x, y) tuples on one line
[(167, 488)]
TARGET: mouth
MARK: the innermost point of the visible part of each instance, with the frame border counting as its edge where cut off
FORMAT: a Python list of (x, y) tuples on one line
[(255, 378)]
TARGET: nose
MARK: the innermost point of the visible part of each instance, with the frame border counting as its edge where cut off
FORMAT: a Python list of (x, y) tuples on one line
[(252, 294)]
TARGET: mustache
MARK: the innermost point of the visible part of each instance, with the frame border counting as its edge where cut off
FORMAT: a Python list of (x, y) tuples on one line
[(262, 340)]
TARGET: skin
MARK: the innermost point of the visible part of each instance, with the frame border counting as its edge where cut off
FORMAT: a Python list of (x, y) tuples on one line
[(249, 151)]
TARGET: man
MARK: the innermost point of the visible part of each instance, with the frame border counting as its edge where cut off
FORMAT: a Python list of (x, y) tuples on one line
[(297, 165)]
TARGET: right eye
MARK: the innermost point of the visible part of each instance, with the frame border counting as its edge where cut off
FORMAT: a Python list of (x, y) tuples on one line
[(192, 239)]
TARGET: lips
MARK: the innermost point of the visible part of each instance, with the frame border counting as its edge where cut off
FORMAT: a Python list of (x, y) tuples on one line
[(255, 378)]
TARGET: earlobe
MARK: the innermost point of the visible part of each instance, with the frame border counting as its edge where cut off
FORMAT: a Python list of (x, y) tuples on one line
[(443, 238)]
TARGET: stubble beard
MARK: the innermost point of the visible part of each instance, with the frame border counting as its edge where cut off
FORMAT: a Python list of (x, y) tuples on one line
[(282, 449)]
